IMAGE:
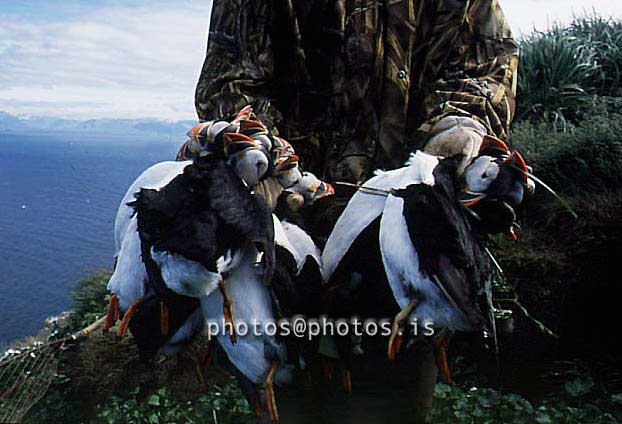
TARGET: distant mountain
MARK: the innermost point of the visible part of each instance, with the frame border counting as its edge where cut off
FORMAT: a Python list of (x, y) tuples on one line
[(132, 127), (10, 122)]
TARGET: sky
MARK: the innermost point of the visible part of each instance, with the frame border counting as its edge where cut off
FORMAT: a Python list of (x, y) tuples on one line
[(86, 59)]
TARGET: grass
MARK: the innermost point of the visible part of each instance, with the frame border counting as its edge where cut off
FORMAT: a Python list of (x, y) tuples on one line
[(123, 389), (484, 405), (563, 69), (585, 158), (556, 76), (221, 405), (569, 128), (604, 38)]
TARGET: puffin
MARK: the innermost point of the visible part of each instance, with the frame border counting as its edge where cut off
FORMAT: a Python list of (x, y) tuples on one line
[(188, 230), (296, 289), (195, 243), (496, 184), (225, 140), (405, 245)]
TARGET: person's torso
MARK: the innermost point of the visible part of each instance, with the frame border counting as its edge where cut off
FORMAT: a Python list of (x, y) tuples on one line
[(349, 83)]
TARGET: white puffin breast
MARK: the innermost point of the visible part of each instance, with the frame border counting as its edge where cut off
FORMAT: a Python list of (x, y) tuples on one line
[(401, 265), (366, 206), (128, 279), (154, 177), (251, 304), (481, 173), (183, 276)]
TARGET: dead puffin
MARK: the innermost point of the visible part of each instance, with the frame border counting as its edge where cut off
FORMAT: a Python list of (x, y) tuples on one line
[(405, 246)]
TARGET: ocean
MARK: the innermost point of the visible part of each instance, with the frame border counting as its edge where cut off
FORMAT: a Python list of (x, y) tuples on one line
[(58, 200)]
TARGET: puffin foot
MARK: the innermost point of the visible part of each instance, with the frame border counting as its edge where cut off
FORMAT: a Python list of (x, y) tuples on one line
[(227, 311), (112, 312), (258, 408), (397, 330), (328, 369), (270, 398), (127, 316), (347, 381), (199, 361), (164, 319), (440, 354), (206, 358)]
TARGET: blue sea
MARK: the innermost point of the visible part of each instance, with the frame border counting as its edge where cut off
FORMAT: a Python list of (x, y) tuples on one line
[(58, 200)]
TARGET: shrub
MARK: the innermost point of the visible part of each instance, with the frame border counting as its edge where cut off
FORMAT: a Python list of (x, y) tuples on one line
[(483, 405), (564, 269), (562, 69), (557, 74), (90, 298), (604, 38), (220, 406), (585, 159)]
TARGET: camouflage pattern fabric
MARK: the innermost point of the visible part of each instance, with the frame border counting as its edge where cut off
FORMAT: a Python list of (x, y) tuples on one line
[(358, 84)]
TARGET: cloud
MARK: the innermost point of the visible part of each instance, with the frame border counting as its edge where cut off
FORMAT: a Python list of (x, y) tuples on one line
[(109, 61), (525, 15), (138, 58)]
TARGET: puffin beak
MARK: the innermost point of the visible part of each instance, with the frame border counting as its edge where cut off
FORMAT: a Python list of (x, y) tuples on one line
[(237, 138), (194, 132), (490, 142), (243, 114), (324, 190), (517, 160), (471, 198), (252, 126), (235, 143), (288, 162), (512, 233)]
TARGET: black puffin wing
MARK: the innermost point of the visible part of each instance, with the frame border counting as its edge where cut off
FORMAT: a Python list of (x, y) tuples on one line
[(172, 220), (244, 212), (447, 250), (299, 291), (159, 215), (282, 287)]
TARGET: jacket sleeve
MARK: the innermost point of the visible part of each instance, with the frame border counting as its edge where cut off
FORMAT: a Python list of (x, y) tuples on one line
[(470, 65), (238, 68)]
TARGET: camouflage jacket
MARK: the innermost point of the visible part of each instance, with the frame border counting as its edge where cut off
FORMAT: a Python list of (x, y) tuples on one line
[(358, 84)]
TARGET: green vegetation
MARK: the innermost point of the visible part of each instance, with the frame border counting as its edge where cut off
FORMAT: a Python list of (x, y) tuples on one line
[(569, 128), (90, 298), (220, 406), (563, 70), (484, 405), (120, 388)]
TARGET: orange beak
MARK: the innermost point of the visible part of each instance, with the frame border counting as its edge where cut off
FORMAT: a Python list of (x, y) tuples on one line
[(288, 162), (490, 142), (252, 126), (233, 138), (236, 142), (476, 197), (243, 114), (517, 160), (324, 190), (196, 130)]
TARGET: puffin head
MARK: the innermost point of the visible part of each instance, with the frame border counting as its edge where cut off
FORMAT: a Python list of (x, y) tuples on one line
[(287, 172), (245, 157), (311, 188), (496, 183)]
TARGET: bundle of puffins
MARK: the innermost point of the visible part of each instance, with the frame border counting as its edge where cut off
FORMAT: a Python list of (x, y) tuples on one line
[(199, 248)]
